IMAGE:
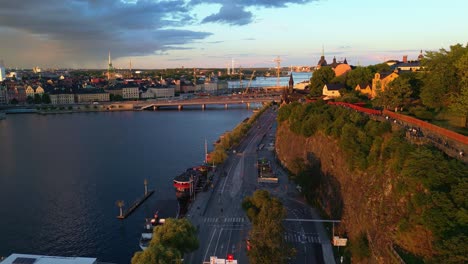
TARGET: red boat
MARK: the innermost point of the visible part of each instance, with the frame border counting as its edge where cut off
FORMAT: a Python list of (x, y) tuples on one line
[(186, 183)]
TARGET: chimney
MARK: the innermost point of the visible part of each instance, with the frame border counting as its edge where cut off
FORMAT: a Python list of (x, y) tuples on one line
[(405, 58)]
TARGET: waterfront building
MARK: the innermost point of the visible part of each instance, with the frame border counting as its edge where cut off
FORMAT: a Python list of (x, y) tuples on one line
[(61, 96), (332, 90), (380, 82), (130, 93), (3, 94), (91, 95), (18, 93), (162, 92), (29, 91), (146, 94), (41, 259)]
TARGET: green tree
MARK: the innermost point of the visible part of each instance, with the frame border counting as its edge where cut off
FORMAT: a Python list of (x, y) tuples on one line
[(460, 100), (267, 234), (46, 98), (14, 101), (397, 94), (30, 99), (37, 99), (319, 78), (442, 78), (169, 243), (382, 67), (358, 76)]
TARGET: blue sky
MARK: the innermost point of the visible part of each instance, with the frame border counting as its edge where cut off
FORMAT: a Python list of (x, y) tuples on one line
[(209, 33)]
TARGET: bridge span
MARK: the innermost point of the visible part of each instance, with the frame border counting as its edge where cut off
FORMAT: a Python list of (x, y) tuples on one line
[(203, 102)]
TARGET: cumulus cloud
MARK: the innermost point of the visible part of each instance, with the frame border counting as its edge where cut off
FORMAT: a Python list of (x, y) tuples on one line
[(231, 14), (81, 32), (89, 28), (234, 12)]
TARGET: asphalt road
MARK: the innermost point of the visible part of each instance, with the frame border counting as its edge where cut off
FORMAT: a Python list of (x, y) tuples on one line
[(222, 224)]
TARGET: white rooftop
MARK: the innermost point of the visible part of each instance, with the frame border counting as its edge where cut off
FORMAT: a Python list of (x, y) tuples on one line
[(40, 259)]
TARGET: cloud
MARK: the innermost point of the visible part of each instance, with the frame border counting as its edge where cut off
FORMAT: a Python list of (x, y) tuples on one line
[(234, 12), (230, 14), (89, 28)]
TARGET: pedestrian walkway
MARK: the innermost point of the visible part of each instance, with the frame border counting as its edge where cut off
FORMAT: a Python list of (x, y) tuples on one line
[(302, 238), (224, 220)]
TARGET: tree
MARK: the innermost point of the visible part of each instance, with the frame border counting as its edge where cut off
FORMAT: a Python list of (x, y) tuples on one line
[(460, 100), (382, 67), (169, 243), (30, 99), (320, 77), (14, 101), (358, 76), (442, 78), (267, 234), (37, 99), (397, 94), (46, 99)]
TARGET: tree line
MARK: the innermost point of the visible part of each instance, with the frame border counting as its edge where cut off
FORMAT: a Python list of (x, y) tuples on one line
[(440, 86), (433, 185)]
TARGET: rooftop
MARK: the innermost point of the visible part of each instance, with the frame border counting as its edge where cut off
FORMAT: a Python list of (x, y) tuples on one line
[(40, 259)]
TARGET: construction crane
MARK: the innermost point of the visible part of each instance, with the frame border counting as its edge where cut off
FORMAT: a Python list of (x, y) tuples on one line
[(278, 70), (250, 82)]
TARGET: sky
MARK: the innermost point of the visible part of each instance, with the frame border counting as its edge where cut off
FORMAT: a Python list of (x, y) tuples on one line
[(211, 33)]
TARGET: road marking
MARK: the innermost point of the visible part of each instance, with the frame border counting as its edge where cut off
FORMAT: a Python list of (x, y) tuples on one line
[(217, 242), (208, 248)]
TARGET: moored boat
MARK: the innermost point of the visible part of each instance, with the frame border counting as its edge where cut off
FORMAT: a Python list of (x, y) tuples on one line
[(147, 233)]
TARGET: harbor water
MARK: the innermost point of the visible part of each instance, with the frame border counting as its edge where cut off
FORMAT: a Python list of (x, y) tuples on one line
[(261, 81), (61, 175)]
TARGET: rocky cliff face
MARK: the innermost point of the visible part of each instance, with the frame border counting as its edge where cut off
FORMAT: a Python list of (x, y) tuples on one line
[(366, 204)]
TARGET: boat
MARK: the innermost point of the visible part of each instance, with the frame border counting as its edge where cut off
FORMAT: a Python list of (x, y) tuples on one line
[(186, 183), (147, 233)]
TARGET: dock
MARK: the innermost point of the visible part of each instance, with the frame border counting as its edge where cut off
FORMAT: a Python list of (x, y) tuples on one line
[(135, 205)]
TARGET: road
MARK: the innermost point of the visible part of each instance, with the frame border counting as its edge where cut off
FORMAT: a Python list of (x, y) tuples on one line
[(222, 224)]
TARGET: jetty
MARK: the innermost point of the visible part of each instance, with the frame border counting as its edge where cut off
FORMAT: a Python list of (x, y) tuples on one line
[(135, 205)]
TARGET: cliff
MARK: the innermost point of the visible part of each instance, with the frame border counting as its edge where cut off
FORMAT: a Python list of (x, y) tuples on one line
[(368, 204)]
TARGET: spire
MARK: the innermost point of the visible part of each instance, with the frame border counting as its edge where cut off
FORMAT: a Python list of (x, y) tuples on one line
[(323, 51), (110, 61), (345, 61), (421, 56)]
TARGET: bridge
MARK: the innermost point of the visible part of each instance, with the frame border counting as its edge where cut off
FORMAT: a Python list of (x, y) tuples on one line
[(204, 101)]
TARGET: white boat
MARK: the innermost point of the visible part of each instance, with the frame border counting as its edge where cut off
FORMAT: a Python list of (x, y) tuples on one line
[(147, 233)]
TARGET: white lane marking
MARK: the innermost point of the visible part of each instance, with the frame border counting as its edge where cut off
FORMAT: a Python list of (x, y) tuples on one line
[(209, 244)]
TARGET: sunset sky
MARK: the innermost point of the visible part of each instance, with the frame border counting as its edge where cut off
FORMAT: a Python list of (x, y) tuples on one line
[(209, 33)]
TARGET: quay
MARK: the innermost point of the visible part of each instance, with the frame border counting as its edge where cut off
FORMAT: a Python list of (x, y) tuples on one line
[(135, 205)]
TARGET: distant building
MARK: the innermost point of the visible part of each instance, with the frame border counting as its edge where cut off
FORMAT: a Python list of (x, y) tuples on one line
[(62, 97), (3, 94), (130, 93), (2, 71), (332, 90), (92, 95), (380, 82), (340, 67), (18, 93), (162, 92), (40, 259), (405, 64), (364, 88)]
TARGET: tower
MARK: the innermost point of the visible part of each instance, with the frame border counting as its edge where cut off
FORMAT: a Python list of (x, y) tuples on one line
[(110, 68), (322, 61), (2, 71), (232, 66)]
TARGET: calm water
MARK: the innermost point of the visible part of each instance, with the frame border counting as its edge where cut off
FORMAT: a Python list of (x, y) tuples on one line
[(271, 81), (60, 176)]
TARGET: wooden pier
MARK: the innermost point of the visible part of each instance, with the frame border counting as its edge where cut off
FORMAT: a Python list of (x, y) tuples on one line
[(135, 205)]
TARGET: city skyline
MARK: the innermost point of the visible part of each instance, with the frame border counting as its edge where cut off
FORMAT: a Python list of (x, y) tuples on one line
[(210, 33)]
